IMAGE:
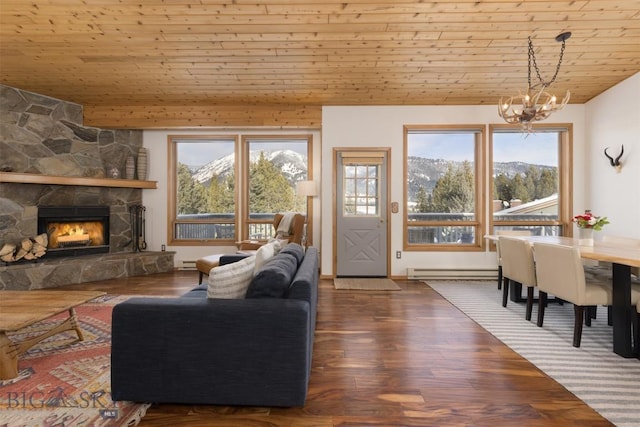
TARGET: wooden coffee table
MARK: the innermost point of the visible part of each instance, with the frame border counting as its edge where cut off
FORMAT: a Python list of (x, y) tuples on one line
[(19, 309)]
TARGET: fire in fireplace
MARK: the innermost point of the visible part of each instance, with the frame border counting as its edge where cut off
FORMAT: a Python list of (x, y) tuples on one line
[(75, 230)]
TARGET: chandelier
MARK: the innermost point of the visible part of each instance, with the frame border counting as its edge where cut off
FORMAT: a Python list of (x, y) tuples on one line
[(536, 104)]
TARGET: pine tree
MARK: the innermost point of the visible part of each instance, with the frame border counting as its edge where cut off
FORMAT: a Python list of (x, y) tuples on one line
[(228, 202), (548, 183), (531, 179), (422, 201), (502, 188), (454, 192), (191, 194), (221, 194), (269, 190), (519, 189)]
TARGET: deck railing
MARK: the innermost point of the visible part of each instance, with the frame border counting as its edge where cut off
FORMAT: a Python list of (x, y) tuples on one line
[(221, 226)]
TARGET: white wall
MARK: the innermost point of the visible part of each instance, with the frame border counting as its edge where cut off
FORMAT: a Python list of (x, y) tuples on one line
[(383, 127), (155, 201), (613, 119)]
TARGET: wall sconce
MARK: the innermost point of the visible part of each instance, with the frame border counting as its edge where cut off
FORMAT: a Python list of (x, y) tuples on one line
[(616, 163)]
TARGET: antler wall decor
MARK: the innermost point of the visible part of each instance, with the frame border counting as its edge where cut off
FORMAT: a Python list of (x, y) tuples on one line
[(616, 163)]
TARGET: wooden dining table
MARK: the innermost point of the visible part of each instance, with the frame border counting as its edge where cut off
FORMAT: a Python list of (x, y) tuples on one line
[(621, 259)]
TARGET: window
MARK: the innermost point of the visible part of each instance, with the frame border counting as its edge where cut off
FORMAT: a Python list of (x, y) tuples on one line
[(528, 185), (202, 195), (215, 199), (530, 179), (361, 183), (273, 165), (443, 187)]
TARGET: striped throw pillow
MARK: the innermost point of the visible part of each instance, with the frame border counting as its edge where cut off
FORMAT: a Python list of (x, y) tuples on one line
[(231, 281)]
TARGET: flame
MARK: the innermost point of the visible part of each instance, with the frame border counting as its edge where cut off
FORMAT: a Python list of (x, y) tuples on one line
[(72, 230), (66, 232)]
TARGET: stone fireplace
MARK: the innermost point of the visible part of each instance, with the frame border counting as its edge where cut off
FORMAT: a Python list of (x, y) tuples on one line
[(45, 137)]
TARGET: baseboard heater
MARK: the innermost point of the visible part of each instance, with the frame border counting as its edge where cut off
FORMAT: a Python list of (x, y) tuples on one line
[(187, 265), (452, 273)]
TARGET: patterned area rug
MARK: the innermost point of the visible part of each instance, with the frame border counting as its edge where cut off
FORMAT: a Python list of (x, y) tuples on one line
[(63, 382), (603, 380), (365, 284)]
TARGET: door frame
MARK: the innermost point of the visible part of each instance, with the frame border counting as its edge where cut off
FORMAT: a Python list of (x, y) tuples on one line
[(387, 188)]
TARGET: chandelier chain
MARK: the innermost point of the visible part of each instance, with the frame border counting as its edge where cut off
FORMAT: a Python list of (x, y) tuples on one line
[(532, 60), (536, 103)]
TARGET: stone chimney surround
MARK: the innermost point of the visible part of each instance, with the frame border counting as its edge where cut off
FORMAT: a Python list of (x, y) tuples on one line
[(44, 136)]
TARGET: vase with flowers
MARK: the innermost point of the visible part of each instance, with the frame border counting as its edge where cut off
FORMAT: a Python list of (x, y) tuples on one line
[(587, 223)]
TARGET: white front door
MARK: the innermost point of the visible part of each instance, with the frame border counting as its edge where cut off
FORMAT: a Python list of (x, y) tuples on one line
[(361, 223)]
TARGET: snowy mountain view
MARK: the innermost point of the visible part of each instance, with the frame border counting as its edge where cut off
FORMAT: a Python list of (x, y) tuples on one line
[(424, 172), (292, 164)]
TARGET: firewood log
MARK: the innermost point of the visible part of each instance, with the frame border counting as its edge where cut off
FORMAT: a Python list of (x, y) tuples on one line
[(37, 247), (29, 256), (26, 244), (42, 239), (39, 254), (7, 249), (7, 257), (20, 254), (37, 250)]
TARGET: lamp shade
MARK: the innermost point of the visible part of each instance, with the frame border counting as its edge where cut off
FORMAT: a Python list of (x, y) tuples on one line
[(306, 188)]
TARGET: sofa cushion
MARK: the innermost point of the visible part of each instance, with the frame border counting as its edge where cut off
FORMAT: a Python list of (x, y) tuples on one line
[(264, 253), (274, 278), (231, 280), (294, 249), (198, 292)]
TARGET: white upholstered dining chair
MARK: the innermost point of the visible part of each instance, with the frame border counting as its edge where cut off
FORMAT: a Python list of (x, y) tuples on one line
[(518, 265), (506, 233), (559, 271)]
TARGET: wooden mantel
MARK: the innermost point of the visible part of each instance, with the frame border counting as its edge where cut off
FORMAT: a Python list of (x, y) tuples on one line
[(31, 178)]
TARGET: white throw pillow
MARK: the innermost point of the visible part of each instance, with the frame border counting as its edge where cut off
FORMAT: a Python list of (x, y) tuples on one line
[(264, 253), (283, 243), (277, 244), (231, 281)]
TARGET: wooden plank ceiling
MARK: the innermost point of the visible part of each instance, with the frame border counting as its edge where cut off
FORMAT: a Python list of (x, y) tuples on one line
[(177, 62)]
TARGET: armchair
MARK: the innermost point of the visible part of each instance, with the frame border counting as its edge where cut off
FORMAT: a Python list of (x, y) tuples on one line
[(294, 234)]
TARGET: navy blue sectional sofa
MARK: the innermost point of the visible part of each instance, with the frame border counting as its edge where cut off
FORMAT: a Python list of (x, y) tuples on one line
[(196, 350)]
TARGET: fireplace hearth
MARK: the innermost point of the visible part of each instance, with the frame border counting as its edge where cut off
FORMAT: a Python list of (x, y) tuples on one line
[(75, 230)]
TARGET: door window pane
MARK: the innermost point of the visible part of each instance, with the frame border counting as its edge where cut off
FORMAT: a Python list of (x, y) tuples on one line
[(361, 190)]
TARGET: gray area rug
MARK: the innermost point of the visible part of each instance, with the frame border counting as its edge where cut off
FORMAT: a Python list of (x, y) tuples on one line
[(603, 380), (365, 284)]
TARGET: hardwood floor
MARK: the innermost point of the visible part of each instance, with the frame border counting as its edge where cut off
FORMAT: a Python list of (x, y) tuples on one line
[(394, 358)]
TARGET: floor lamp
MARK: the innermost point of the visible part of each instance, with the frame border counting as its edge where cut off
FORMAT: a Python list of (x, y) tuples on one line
[(306, 189)]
